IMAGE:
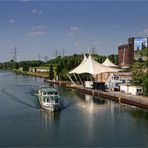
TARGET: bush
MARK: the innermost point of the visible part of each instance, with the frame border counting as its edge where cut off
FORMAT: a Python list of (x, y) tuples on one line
[(145, 84)]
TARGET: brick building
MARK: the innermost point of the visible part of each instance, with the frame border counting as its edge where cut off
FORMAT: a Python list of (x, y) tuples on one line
[(126, 53)]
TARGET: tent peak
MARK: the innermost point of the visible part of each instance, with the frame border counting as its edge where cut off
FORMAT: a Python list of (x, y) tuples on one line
[(108, 63)]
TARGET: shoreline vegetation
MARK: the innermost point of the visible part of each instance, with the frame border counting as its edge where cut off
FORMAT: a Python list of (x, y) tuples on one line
[(58, 68)]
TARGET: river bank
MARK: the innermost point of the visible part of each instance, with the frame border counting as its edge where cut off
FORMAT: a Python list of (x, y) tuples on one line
[(137, 101), (123, 98), (38, 74)]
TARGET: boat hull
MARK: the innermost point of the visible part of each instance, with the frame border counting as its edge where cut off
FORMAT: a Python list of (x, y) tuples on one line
[(50, 107)]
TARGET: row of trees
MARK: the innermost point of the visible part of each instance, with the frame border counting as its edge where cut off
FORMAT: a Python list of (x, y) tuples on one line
[(67, 63), (139, 72), (24, 64), (60, 66)]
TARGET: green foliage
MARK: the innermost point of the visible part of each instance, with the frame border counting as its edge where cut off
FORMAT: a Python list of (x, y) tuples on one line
[(143, 52), (137, 73), (25, 67), (51, 72), (113, 58), (145, 84), (61, 65), (63, 75), (58, 70), (9, 65), (1, 66), (16, 65), (139, 76), (27, 64), (31, 63)]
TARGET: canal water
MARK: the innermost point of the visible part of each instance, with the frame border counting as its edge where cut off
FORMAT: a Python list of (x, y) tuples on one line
[(85, 121)]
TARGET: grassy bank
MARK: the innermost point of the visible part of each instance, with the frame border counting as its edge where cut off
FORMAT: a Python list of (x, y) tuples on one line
[(38, 74)]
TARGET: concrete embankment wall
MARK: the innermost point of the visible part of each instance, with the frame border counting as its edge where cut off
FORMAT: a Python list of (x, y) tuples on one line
[(142, 102)]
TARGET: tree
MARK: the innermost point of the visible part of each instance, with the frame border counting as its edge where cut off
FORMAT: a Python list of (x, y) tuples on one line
[(145, 84), (140, 76), (58, 70), (137, 73), (25, 67), (51, 72), (16, 65), (113, 58)]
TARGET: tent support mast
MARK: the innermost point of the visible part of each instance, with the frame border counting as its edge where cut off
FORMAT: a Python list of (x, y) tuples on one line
[(80, 79), (91, 78), (76, 78), (71, 79)]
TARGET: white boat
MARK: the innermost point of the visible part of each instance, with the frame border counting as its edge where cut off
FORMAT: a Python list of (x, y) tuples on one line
[(49, 99)]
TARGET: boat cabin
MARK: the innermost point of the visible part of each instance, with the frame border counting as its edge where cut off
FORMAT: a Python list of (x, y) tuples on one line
[(49, 92), (48, 100)]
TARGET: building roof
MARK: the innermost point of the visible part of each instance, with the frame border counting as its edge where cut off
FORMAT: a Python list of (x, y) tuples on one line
[(107, 62), (92, 67), (79, 67)]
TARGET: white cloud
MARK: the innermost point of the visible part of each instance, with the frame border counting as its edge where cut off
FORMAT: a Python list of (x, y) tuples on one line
[(71, 33), (39, 27), (96, 42), (73, 30), (144, 32), (80, 43), (37, 31), (36, 12), (11, 21), (116, 26)]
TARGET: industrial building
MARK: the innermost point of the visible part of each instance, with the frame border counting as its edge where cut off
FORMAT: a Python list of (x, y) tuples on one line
[(127, 52)]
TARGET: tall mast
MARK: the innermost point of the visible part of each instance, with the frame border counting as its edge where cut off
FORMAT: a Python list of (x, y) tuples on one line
[(14, 52)]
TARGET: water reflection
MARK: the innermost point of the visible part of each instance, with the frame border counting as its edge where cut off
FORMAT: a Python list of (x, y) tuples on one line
[(91, 104), (49, 119), (88, 121), (137, 112)]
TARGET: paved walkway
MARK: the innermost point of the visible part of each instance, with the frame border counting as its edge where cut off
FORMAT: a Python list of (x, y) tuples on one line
[(139, 99)]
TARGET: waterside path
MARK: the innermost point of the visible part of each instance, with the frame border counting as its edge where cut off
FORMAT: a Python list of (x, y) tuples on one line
[(137, 101)]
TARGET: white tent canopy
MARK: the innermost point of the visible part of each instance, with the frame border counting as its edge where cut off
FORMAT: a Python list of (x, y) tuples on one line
[(79, 67), (92, 67), (107, 62)]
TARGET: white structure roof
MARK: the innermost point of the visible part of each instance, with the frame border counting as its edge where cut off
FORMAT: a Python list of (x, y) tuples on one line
[(107, 62), (79, 67), (93, 67)]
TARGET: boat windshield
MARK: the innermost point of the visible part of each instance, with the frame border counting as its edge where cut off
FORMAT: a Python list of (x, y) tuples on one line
[(51, 99), (52, 93)]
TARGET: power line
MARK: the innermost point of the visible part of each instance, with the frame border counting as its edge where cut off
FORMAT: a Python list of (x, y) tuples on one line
[(56, 53), (14, 52), (63, 52), (93, 50), (39, 57), (45, 58)]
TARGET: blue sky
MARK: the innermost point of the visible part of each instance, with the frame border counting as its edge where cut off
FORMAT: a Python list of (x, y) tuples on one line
[(41, 27), (138, 43)]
